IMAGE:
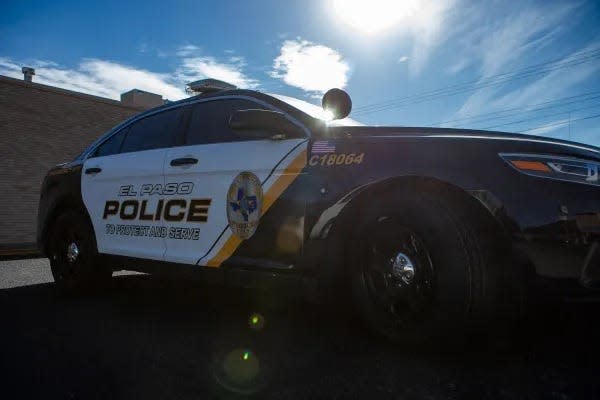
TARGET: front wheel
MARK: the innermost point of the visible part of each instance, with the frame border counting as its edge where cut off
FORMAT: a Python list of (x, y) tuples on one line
[(422, 269), (73, 254)]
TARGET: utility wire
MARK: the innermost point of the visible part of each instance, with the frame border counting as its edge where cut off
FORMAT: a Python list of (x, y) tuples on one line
[(478, 118), (426, 98), (585, 56), (561, 123), (491, 81), (541, 116)]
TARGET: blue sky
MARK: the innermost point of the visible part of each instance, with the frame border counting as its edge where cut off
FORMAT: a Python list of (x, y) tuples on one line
[(526, 66)]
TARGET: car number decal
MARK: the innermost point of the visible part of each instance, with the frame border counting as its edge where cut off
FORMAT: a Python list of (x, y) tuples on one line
[(335, 159)]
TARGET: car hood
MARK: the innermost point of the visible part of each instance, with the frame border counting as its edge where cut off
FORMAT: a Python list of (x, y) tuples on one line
[(384, 133)]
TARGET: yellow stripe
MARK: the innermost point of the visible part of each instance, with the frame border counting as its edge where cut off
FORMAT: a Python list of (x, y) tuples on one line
[(283, 181), (226, 251)]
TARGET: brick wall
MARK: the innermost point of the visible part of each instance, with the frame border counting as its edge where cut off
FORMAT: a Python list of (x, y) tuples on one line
[(41, 126)]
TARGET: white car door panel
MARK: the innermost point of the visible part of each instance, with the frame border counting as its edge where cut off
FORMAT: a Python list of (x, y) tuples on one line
[(217, 166), (120, 213), (125, 193)]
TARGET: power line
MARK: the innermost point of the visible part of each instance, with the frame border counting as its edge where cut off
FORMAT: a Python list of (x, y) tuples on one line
[(494, 80), (583, 57), (541, 116), (425, 98), (561, 123), (523, 109)]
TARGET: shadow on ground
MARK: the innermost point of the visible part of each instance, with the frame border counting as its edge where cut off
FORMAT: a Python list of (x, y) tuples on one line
[(154, 339)]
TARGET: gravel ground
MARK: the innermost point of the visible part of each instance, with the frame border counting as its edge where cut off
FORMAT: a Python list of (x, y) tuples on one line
[(145, 338)]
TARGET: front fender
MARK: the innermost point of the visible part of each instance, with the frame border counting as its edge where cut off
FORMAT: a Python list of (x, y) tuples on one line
[(328, 218)]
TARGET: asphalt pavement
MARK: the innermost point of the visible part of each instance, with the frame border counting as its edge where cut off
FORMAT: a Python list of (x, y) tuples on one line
[(147, 338)]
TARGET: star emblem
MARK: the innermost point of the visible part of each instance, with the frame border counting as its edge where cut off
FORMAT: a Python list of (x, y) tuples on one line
[(244, 204)]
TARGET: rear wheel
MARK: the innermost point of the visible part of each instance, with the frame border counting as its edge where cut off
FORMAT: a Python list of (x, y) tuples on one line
[(74, 256), (423, 268)]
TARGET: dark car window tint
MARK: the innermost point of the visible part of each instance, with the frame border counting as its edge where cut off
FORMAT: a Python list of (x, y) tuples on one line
[(112, 145), (153, 132), (209, 122)]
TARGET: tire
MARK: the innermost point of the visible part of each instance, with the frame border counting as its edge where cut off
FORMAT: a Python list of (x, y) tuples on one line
[(424, 268), (73, 255)]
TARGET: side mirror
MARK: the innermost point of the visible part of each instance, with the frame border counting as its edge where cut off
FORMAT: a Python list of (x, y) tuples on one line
[(263, 124), (337, 103)]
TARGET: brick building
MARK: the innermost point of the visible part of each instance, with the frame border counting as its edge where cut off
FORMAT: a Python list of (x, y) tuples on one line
[(41, 126)]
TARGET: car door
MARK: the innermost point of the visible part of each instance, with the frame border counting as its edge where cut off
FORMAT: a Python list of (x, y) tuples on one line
[(122, 186), (234, 180)]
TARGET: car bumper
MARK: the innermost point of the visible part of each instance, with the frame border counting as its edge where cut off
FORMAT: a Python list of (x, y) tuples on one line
[(590, 272), (565, 261)]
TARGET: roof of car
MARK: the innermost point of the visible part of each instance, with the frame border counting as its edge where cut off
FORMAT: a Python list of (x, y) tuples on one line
[(235, 92), (220, 93)]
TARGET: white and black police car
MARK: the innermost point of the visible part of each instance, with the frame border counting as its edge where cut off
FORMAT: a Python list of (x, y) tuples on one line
[(428, 230)]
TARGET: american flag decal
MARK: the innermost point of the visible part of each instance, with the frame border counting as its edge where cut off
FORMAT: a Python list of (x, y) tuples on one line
[(322, 147)]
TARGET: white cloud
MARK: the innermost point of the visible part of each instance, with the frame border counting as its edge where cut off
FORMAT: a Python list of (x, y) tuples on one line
[(520, 33), (312, 67), (553, 83), (547, 128), (10, 68), (550, 85), (459, 66), (194, 68), (427, 29), (187, 50), (403, 59), (502, 46), (97, 77), (109, 79)]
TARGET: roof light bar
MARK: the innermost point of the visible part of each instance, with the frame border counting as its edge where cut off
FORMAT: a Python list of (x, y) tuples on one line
[(208, 86)]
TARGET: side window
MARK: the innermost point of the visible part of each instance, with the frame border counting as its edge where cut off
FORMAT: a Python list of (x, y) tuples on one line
[(209, 122), (153, 132), (112, 145)]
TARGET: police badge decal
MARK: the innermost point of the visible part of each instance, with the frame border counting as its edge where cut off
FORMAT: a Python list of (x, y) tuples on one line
[(244, 204)]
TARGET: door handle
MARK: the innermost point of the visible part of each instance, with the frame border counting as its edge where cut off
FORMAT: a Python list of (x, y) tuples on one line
[(93, 170), (184, 161)]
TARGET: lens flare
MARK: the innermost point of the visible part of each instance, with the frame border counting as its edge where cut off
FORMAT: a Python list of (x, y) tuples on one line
[(256, 321), (328, 115), (238, 371)]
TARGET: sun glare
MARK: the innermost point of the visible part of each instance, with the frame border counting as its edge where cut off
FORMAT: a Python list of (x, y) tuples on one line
[(327, 115), (374, 16)]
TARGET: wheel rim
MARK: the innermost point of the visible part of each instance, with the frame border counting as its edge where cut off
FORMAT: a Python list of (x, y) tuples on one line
[(398, 272), (72, 252), (67, 256)]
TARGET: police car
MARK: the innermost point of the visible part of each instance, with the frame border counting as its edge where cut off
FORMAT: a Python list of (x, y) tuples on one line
[(428, 230)]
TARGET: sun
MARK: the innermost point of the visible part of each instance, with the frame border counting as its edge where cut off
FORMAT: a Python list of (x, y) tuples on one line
[(374, 16)]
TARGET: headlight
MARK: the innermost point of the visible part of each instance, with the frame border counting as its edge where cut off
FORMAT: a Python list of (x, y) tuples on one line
[(555, 167)]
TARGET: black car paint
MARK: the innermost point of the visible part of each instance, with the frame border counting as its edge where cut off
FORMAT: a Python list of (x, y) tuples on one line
[(530, 209), (60, 191)]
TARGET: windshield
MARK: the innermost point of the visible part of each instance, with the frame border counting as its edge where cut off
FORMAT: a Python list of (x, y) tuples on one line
[(315, 111)]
